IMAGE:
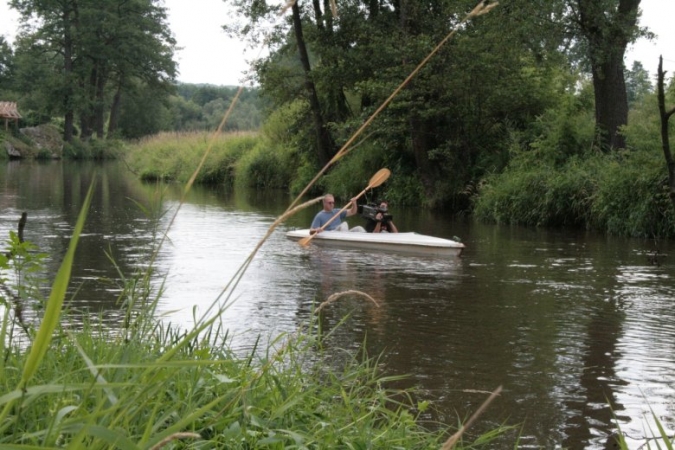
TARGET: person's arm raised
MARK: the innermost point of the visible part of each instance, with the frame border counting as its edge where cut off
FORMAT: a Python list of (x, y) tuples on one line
[(355, 207), (376, 180)]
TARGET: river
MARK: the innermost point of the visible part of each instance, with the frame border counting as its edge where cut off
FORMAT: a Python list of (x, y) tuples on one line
[(578, 328)]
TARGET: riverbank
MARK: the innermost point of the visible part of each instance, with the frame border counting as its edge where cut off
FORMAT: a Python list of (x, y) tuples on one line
[(152, 384), (621, 193), (45, 142)]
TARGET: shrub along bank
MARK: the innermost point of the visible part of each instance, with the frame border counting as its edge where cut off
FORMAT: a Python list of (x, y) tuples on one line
[(621, 194), (561, 180)]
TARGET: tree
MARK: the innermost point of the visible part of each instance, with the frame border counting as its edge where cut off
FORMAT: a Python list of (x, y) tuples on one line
[(144, 51), (143, 112), (6, 65), (637, 82), (55, 40), (95, 49), (605, 28), (324, 142), (285, 41), (665, 115), (451, 122)]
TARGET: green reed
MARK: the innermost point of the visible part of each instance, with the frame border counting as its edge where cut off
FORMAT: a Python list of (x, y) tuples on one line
[(174, 156), (100, 388)]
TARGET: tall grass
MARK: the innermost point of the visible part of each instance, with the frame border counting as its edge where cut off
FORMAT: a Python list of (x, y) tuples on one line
[(101, 390), (174, 156), (623, 194)]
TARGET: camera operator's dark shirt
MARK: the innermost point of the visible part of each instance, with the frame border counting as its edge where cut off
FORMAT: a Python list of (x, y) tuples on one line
[(370, 226)]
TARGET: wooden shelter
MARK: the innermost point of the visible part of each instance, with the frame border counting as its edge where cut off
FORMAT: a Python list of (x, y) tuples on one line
[(8, 112)]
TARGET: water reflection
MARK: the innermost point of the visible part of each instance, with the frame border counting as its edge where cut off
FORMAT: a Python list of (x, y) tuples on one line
[(52, 194), (579, 329)]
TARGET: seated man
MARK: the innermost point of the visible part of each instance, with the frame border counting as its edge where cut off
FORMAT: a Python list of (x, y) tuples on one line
[(383, 222), (323, 216)]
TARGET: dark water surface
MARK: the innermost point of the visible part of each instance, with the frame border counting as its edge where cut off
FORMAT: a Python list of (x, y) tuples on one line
[(567, 322)]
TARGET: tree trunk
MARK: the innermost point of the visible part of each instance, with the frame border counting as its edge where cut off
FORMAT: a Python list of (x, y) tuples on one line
[(665, 140), (607, 35), (324, 141), (69, 97), (115, 110), (611, 101)]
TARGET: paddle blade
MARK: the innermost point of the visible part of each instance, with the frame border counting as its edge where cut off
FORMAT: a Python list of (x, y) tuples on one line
[(305, 241), (380, 177)]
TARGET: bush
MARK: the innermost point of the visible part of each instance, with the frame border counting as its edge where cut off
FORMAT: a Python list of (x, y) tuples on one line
[(351, 174), (175, 156), (632, 197), (622, 193), (265, 167)]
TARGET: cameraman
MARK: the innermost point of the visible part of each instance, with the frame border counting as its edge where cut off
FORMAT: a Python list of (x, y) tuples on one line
[(382, 222)]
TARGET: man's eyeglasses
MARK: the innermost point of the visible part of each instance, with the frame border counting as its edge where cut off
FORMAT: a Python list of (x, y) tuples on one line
[(330, 203)]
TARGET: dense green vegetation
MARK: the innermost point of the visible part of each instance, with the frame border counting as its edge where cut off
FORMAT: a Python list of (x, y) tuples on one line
[(559, 179), (241, 159), (526, 115), (453, 123)]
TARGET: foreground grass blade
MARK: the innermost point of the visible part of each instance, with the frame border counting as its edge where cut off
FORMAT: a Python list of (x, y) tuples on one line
[(55, 302)]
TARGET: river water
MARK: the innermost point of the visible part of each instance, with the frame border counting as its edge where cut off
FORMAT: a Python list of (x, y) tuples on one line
[(578, 328)]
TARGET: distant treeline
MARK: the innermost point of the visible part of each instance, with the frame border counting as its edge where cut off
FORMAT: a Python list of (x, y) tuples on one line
[(203, 106)]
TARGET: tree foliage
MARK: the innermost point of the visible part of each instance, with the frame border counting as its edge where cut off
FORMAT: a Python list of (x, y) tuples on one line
[(456, 120), (604, 28), (451, 122), (6, 65), (638, 83), (90, 54)]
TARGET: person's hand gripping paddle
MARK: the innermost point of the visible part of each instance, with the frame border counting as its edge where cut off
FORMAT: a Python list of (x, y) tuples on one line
[(376, 180)]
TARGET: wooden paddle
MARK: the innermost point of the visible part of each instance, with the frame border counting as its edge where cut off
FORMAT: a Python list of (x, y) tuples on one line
[(376, 180)]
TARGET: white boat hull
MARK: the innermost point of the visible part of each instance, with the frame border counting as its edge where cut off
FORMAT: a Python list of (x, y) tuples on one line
[(409, 243)]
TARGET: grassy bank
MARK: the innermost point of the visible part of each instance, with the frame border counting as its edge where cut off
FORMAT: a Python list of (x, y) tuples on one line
[(243, 159), (152, 384), (620, 193), (623, 194)]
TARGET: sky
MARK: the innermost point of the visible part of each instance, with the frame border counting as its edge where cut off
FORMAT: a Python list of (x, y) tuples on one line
[(207, 55)]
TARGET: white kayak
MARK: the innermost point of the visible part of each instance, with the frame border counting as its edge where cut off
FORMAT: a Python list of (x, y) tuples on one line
[(411, 243)]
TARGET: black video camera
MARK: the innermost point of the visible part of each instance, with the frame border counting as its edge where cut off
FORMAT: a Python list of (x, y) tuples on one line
[(370, 212)]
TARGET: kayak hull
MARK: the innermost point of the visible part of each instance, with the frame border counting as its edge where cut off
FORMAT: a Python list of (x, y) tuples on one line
[(408, 243)]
